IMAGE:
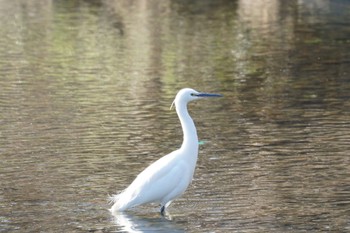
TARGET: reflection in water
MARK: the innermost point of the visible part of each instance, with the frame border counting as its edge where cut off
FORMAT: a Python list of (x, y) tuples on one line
[(85, 91), (136, 223)]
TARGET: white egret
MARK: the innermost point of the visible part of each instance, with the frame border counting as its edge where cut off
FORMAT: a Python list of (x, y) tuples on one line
[(168, 177)]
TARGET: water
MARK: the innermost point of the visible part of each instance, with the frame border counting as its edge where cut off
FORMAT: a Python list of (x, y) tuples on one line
[(85, 91)]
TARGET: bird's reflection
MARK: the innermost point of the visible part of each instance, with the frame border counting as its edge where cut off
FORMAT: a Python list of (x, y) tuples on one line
[(129, 222)]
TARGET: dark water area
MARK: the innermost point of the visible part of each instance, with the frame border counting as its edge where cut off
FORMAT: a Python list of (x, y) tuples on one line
[(85, 91)]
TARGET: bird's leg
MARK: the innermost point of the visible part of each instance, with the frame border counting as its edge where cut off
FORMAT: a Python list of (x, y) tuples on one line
[(162, 210)]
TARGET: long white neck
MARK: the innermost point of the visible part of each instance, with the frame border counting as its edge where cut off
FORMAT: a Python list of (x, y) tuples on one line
[(190, 139)]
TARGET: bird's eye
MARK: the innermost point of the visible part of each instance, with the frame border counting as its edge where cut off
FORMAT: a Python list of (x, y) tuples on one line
[(193, 94)]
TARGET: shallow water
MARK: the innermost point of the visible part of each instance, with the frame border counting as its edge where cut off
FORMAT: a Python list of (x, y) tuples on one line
[(85, 91)]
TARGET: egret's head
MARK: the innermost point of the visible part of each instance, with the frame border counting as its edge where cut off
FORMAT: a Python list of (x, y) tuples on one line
[(187, 94)]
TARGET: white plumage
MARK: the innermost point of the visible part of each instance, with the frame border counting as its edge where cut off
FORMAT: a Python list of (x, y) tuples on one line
[(168, 177)]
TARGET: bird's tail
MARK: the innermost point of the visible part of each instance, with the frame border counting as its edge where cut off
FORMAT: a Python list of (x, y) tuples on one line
[(113, 199), (118, 202)]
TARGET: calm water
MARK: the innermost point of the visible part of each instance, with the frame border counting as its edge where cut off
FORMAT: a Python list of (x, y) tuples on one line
[(85, 91)]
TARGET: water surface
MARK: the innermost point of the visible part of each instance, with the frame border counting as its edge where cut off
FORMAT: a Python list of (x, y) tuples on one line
[(85, 91)]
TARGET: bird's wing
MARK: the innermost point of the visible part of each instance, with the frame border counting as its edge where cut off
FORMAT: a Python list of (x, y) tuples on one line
[(159, 180)]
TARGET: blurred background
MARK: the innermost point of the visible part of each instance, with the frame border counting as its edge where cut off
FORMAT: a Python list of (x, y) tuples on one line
[(85, 91)]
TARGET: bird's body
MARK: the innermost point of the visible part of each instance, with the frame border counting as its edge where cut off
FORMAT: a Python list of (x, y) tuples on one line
[(158, 183), (168, 177)]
